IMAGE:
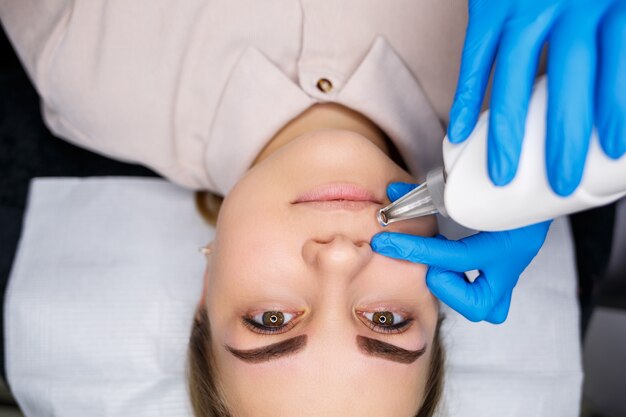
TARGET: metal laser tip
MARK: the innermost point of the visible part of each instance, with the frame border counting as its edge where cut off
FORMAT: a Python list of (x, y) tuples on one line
[(382, 217), (425, 199), (388, 215), (415, 203)]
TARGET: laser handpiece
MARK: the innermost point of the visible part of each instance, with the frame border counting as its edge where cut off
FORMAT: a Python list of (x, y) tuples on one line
[(474, 201), (426, 199)]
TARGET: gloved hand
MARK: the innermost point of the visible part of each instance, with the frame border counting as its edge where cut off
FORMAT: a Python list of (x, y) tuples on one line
[(499, 256), (586, 81)]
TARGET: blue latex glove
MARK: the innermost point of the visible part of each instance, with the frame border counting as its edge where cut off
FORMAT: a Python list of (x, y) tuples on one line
[(586, 81), (499, 256)]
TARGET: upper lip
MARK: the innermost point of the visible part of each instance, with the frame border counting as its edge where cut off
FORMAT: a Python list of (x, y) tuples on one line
[(338, 193)]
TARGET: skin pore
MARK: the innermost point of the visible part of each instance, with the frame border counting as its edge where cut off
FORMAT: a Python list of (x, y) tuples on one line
[(305, 318)]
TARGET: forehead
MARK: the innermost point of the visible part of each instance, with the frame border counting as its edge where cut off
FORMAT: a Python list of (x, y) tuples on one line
[(325, 382)]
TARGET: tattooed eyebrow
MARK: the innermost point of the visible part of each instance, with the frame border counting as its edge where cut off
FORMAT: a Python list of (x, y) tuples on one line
[(387, 351), (269, 352)]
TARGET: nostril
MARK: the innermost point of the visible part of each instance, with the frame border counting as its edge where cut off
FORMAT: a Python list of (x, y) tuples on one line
[(326, 240), (356, 242), (322, 241)]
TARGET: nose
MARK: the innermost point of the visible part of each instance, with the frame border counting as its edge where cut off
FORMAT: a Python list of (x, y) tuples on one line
[(337, 254)]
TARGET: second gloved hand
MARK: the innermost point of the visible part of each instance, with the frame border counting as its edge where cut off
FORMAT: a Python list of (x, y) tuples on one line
[(499, 256), (586, 81)]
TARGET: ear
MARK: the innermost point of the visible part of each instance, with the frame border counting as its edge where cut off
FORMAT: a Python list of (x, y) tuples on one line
[(208, 253)]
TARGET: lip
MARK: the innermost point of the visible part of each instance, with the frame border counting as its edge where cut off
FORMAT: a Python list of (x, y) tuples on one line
[(339, 204), (350, 195)]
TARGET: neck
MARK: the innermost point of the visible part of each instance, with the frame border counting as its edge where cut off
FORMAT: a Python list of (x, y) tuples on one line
[(325, 116)]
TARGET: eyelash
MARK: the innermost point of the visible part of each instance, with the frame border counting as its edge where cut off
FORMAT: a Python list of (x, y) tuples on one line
[(267, 330), (395, 329)]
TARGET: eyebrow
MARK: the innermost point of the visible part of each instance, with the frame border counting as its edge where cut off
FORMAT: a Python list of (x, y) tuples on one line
[(269, 352), (387, 351)]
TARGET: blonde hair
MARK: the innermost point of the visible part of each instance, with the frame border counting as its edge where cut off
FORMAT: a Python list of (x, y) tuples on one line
[(205, 392), (208, 205)]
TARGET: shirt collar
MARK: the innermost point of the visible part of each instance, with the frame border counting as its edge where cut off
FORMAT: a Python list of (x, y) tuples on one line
[(258, 100)]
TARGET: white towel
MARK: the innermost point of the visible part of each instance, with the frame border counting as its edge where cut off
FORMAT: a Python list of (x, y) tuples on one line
[(102, 292)]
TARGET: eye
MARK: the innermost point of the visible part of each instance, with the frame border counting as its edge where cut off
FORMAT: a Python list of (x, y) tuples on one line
[(270, 322), (385, 321)]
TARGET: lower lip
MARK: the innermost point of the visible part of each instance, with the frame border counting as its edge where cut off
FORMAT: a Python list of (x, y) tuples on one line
[(338, 194)]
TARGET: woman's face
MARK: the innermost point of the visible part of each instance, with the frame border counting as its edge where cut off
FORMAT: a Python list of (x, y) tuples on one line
[(306, 319)]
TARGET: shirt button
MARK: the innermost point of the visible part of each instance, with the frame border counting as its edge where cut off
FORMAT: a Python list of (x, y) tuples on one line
[(324, 85)]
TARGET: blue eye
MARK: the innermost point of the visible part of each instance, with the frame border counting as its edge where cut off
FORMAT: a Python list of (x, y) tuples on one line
[(270, 322)]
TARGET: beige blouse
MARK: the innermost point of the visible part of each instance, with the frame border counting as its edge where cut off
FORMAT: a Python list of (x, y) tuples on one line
[(194, 89)]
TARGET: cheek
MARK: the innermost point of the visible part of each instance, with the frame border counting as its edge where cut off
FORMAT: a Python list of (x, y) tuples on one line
[(423, 226), (249, 226), (400, 276), (246, 253), (251, 245)]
